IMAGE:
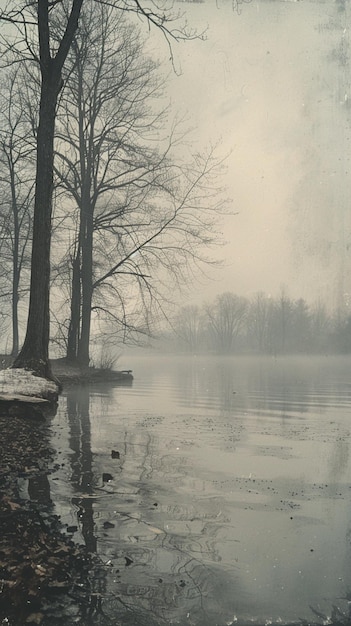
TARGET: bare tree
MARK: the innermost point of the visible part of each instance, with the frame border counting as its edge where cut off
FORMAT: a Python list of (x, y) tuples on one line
[(35, 41), (189, 327), (161, 245), (321, 326), (103, 152), (136, 210), (300, 331), (283, 315), (226, 317), (16, 177), (258, 320), (50, 56)]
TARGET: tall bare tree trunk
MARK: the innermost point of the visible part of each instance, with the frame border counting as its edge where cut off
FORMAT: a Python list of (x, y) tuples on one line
[(15, 267), (34, 354), (15, 337), (87, 286), (74, 322), (86, 231)]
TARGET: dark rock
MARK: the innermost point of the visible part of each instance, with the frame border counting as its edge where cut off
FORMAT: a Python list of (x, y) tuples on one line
[(108, 525), (106, 477), (115, 454), (72, 529)]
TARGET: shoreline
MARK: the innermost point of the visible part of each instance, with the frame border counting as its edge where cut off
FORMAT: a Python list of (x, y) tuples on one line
[(45, 578), (69, 374)]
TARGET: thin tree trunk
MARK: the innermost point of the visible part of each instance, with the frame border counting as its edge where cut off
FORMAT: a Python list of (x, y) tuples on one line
[(86, 232), (74, 323), (15, 268), (15, 337), (87, 288), (34, 354)]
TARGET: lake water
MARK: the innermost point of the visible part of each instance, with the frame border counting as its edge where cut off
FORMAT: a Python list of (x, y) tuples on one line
[(215, 490)]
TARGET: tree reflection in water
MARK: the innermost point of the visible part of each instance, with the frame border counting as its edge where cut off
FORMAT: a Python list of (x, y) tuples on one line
[(159, 548), (82, 477)]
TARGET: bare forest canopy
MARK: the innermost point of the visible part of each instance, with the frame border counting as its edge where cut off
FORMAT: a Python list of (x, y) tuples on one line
[(262, 324), (127, 203), (89, 139)]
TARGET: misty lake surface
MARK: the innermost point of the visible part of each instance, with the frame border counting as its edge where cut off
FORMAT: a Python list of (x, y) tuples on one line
[(215, 490)]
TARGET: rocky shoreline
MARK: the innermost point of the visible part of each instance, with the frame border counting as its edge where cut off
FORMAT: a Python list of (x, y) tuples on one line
[(45, 579), (43, 574)]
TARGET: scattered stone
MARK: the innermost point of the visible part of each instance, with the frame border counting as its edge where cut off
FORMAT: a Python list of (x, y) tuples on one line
[(44, 576), (41, 569), (35, 618), (108, 525), (106, 477), (115, 454), (72, 529)]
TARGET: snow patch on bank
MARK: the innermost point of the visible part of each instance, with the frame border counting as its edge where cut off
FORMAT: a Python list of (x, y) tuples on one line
[(23, 382)]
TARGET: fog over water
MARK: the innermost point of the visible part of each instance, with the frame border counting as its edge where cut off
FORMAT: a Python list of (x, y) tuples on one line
[(270, 83), (226, 499)]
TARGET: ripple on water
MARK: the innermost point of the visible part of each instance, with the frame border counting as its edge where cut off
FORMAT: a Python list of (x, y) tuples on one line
[(219, 504)]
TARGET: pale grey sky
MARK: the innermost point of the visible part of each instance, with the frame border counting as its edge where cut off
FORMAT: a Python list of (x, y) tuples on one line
[(264, 83)]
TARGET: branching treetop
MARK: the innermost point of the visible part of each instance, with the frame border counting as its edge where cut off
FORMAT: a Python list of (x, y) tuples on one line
[(28, 34)]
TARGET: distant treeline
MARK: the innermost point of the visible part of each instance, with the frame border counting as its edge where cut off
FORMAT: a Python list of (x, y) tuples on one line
[(262, 324)]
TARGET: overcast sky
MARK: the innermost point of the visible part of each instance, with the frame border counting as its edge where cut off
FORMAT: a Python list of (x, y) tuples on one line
[(267, 84)]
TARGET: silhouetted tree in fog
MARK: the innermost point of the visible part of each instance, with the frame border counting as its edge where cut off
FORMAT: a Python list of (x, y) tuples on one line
[(300, 335), (320, 326), (258, 319), (137, 209), (104, 162), (189, 327), (34, 41), (50, 57), (265, 325), (17, 184), (225, 318)]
